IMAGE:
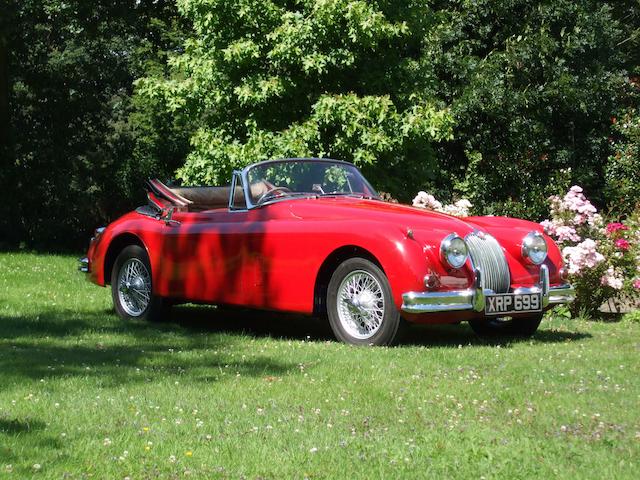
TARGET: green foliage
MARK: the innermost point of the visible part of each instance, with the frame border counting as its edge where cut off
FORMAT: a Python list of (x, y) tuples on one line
[(73, 156), (633, 316), (531, 86), (623, 169), (486, 99), (328, 79)]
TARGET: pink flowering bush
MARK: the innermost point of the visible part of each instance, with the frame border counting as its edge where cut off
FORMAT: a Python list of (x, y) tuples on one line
[(602, 259), (461, 208)]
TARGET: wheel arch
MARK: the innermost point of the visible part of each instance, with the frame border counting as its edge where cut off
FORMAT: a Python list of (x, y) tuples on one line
[(333, 260), (116, 246)]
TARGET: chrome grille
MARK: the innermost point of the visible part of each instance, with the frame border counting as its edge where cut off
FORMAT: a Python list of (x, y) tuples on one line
[(487, 255)]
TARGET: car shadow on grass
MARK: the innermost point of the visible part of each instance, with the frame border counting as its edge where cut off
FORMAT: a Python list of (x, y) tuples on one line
[(254, 323), (202, 340), (263, 324), (63, 343), (462, 335)]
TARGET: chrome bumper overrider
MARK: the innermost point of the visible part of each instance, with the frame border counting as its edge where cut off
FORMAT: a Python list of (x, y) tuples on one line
[(84, 265), (474, 298)]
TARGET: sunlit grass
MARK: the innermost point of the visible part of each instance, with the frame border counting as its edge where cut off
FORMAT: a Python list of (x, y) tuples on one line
[(228, 394)]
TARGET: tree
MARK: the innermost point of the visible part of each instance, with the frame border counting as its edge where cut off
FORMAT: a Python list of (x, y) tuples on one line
[(333, 79), (532, 86), (71, 138), (488, 99)]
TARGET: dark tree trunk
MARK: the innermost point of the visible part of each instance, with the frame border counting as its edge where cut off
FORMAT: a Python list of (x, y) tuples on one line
[(4, 94)]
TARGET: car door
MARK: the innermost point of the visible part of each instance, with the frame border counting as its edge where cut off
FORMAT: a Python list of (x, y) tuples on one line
[(201, 256)]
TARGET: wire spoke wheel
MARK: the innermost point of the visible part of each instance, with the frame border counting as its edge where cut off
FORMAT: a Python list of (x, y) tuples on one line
[(361, 304), (134, 287)]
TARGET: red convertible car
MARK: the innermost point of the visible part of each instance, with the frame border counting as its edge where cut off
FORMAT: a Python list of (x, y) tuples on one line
[(311, 236)]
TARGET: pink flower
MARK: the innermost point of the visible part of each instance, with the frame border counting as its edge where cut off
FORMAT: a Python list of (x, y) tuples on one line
[(612, 278), (575, 201), (596, 220), (583, 256), (549, 226), (636, 284), (567, 233), (427, 201), (458, 209), (615, 226), (622, 244)]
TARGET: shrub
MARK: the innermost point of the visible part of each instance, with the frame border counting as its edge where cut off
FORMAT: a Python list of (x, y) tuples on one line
[(328, 79), (603, 259), (486, 99)]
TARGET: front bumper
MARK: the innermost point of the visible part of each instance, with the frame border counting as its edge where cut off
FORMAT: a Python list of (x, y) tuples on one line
[(83, 264), (473, 299)]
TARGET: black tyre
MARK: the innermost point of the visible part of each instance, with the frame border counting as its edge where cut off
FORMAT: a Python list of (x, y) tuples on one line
[(517, 327), (131, 287), (360, 305)]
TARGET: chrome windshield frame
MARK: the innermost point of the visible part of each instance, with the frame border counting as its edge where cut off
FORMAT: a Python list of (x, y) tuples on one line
[(237, 174)]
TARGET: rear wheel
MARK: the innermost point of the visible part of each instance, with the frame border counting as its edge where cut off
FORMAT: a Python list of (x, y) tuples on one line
[(519, 326), (360, 304), (131, 287)]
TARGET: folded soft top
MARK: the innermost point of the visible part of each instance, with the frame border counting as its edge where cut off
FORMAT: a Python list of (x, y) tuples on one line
[(195, 199)]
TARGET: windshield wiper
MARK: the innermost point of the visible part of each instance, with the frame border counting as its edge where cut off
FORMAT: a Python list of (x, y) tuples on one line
[(350, 194), (285, 196)]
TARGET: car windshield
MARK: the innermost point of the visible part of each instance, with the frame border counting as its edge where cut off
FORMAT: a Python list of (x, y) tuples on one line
[(290, 178)]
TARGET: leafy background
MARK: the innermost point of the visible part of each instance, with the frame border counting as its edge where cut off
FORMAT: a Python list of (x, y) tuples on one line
[(504, 102)]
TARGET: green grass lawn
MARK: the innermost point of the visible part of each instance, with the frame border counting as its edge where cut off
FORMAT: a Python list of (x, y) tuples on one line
[(224, 394)]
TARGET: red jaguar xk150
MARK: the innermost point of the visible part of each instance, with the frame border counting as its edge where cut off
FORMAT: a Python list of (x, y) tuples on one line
[(311, 236)]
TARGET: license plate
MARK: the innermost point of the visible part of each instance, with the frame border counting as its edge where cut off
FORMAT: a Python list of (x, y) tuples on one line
[(513, 303)]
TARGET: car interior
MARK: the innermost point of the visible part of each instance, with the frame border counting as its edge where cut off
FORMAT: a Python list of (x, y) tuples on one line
[(198, 199)]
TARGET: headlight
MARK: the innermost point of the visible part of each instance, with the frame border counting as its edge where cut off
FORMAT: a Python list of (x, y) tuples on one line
[(454, 250), (534, 248)]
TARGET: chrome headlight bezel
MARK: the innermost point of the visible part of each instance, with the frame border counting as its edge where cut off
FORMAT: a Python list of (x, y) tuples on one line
[(534, 248), (454, 250)]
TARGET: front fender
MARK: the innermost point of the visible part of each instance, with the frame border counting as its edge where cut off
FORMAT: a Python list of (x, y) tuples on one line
[(407, 256)]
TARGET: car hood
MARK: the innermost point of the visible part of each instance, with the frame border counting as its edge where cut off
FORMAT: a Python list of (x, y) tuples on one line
[(390, 214), (426, 225), (428, 228)]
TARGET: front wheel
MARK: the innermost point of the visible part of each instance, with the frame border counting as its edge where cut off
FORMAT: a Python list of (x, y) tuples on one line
[(518, 326), (360, 305), (131, 287)]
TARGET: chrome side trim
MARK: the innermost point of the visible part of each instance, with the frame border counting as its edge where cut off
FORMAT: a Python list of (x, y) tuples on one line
[(84, 265), (473, 299)]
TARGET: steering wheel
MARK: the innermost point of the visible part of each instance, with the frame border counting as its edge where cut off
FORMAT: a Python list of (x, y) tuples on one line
[(272, 191)]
